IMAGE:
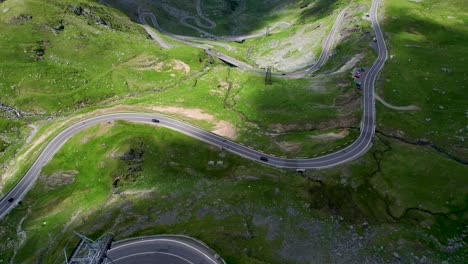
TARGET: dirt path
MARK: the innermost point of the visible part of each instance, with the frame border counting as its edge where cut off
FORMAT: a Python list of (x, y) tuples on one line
[(33, 132), (399, 108), (153, 34)]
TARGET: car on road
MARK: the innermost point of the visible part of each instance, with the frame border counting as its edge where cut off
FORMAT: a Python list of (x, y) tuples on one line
[(11, 199), (264, 159), (155, 120), (357, 76)]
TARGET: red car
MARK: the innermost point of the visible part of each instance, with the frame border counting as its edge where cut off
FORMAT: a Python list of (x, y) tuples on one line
[(357, 76)]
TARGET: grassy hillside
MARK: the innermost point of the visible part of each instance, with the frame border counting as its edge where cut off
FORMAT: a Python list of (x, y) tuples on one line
[(404, 201), (72, 55), (59, 57), (76, 56), (428, 69), (135, 183)]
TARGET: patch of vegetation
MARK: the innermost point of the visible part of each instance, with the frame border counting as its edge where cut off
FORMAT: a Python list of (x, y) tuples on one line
[(12, 135), (427, 69)]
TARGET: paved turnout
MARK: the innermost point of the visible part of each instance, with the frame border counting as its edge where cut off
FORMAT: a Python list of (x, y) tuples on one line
[(173, 250)]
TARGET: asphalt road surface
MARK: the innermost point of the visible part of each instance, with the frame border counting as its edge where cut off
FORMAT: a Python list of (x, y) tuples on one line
[(355, 150), (162, 249)]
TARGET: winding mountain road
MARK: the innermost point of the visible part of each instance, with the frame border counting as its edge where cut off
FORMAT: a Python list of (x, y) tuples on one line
[(212, 24), (351, 152), (326, 45), (123, 251)]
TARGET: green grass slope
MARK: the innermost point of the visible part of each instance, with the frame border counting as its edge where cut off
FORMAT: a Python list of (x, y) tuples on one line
[(427, 41), (59, 56)]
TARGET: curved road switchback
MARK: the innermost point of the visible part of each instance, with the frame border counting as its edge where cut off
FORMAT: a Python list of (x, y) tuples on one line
[(173, 249), (353, 151), (326, 46)]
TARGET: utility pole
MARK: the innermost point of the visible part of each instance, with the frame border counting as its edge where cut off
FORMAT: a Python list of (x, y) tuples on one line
[(268, 80), (89, 251)]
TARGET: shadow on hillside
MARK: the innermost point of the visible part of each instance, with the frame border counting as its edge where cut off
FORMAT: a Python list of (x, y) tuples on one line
[(320, 9), (430, 56), (256, 15)]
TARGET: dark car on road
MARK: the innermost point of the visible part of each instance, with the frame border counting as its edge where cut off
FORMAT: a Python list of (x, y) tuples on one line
[(11, 199), (155, 120), (264, 159)]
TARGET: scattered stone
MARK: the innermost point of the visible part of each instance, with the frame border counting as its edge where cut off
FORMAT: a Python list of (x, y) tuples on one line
[(211, 163), (59, 26), (87, 12), (59, 179), (220, 163), (423, 141), (100, 21), (343, 181), (77, 10), (365, 225), (446, 70), (20, 19), (428, 119), (12, 110), (133, 155), (39, 53), (423, 260), (396, 255)]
